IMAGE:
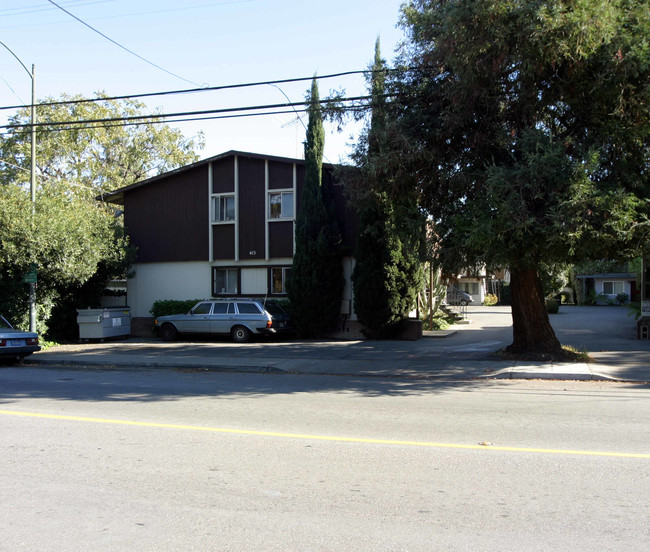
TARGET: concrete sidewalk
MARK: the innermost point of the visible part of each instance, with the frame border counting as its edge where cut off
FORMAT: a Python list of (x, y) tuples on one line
[(464, 352), (321, 358)]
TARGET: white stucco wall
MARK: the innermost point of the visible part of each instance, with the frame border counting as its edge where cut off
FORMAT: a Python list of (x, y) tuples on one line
[(160, 281), (192, 280)]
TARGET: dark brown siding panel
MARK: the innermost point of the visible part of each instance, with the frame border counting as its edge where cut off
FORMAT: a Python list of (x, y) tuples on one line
[(223, 176), (300, 183), (223, 242), (281, 239), (252, 218), (168, 220), (280, 175), (346, 218)]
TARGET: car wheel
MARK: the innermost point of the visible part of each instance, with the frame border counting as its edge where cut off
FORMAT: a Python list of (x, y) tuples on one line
[(463, 302), (240, 334), (168, 332)]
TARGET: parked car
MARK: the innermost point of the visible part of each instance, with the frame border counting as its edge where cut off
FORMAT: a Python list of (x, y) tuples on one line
[(240, 318), (458, 297), (281, 321), (15, 344)]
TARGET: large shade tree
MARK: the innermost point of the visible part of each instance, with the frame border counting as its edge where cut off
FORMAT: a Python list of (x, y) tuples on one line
[(524, 126), (73, 238)]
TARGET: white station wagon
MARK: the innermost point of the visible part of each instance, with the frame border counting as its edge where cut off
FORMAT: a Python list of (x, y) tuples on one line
[(239, 318)]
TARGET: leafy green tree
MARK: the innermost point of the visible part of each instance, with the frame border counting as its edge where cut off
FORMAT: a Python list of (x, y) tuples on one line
[(388, 273), (316, 284), (525, 127), (75, 240), (93, 158)]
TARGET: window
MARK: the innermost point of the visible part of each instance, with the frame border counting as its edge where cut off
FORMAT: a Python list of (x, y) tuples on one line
[(469, 287), (613, 288), (220, 308), (248, 308), (202, 308), (281, 205), (279, 277), (224, 281), (223, 208)]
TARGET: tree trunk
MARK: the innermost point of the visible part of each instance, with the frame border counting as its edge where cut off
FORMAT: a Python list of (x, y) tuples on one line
[(531, 328)]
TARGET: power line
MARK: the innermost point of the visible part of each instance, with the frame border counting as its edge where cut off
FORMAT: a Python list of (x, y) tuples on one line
[(120, 45), (53, 128), (117, 124), (196, 90), (181, 114)]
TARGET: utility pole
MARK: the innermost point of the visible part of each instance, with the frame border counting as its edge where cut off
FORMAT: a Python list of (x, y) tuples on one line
[(31, 276), (32, 191)]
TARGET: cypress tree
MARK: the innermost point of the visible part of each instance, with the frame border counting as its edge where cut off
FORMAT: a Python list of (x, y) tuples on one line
[(388, 273), (316, 283)]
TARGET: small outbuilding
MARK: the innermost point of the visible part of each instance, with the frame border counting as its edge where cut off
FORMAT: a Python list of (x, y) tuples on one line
[(609, 287)]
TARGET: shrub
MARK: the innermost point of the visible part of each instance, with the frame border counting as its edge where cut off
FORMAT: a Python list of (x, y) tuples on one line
[(490, 300), (172, 306), (635, 310), (440, 321), (552, 306), (622, 298)]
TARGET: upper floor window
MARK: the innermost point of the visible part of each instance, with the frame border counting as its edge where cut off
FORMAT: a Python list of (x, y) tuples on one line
[(281, 205), (223, 208)]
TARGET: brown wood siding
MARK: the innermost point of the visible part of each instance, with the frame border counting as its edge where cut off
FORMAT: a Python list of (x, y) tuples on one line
[(300, 183), (346, 216), (280, 175), (168, 220), (281, 239), (252, 218), (223, 176), (223, 242)]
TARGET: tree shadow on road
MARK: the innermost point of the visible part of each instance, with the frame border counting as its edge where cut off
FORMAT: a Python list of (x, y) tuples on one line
[(148, 385)]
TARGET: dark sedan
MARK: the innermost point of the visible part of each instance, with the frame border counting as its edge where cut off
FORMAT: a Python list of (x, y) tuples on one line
[(15, 345)]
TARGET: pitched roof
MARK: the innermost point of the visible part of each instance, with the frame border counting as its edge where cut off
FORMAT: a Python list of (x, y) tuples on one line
[(117, 196)]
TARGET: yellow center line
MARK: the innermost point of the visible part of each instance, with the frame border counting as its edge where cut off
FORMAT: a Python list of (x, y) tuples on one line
[(322, 437)]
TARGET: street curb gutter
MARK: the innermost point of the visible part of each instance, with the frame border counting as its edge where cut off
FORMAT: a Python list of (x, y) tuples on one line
[(506, 373), (126, 366)]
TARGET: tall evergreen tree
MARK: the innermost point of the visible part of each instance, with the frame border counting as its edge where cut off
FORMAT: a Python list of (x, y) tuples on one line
[(387, 274), (316, 284)]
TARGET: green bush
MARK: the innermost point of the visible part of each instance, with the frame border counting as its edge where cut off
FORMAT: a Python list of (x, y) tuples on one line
[(490, 300), (172, 306), (635, 310), (552, 306), (440, 321), (622, 298)]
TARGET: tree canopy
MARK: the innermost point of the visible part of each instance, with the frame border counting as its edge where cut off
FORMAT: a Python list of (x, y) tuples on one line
[(68, 233), (95, 156), (524, 128)]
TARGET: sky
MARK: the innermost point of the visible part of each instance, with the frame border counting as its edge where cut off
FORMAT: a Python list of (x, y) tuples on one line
[(197, 43)]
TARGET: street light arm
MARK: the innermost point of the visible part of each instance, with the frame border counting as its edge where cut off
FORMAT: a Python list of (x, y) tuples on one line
[(30, 73)]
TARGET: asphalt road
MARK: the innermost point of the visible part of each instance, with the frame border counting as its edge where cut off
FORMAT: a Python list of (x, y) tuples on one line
[(163, 460)]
